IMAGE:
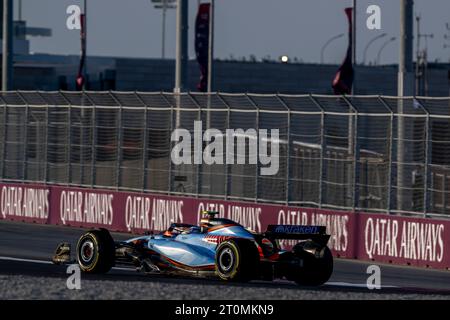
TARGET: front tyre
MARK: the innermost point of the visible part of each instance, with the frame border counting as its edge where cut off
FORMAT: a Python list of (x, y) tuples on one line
[(236, 260), (96, 251)]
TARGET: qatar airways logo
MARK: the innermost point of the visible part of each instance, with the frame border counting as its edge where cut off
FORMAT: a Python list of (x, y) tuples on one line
[(24, 202), (248, 216), (261, 147), (152, 213), (404, 239), (89, 207)]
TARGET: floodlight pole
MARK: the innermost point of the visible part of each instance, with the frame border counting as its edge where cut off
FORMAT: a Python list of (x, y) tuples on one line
[(210, 84), (181, 45), (211, 48), (354, 45), (20, 10), (8, 50), (404, 87), (181, 60), (85, 46), (163, 36)]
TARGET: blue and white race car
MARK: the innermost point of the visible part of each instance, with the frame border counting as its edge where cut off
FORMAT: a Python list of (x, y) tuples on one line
[(218, 247)]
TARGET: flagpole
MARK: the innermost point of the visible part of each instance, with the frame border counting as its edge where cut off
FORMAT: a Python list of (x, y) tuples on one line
[(85, 46), (181, 59), (181, 55), (210, 60), (211, 47), (7, 57)]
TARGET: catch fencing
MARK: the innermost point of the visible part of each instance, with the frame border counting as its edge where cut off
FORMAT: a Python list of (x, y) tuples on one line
[(358, 153)]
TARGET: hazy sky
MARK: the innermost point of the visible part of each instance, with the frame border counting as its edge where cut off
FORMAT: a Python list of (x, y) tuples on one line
[(298, 28)]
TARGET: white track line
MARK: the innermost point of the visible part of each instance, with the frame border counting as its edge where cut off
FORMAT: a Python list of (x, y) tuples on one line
[(354, 285), (25, 260), (50, 262)]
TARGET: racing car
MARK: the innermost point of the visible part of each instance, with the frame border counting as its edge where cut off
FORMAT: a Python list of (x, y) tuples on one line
[(217, 247)]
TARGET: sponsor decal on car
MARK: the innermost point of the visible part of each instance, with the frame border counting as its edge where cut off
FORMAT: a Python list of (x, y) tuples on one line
[(216, 239), (297, 229)]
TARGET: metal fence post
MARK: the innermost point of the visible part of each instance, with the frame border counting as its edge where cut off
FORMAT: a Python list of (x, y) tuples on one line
[(25, 145), (288, 159), (94, 145), (426, 179), (227, 168), (46, 142), (119, 140), (5, 136), (426, 197), (144, 144), (355, 144), (322, 167), (145, 152), (390, 172), (25, 140), (257, 162), (82, 138), (169, 189), (390, 156), (288, 148), (356, 165), (69, 153), (178, 116), (322, 157), (84, 95), (69, 139), (199, 178), (119, 149), (257, 130), (5, 116)]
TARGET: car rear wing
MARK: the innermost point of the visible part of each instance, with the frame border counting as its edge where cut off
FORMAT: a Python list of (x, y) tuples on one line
[(298, 232)]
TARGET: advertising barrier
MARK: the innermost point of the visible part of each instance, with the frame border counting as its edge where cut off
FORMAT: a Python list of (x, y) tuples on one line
[(402, 240), (377, 237)]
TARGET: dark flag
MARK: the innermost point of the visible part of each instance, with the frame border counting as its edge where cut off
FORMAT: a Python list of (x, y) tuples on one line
[(343, 81), (80, 76), (202, 44)]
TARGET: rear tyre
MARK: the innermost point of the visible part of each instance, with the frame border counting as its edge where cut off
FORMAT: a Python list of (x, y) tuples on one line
[(96, 251), (237, 260), (317, 264)]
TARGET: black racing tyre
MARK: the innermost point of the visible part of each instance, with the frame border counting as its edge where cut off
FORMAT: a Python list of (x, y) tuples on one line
[(237, 260), (317, 265), (96, 251)]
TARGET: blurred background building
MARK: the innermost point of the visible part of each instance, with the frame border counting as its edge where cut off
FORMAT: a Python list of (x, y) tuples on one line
[(44, 71)]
